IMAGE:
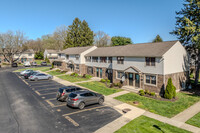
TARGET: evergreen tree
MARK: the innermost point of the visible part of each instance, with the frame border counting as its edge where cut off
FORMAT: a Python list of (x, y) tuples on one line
[(158, 39), (79, 34), (187, 29), (117, 40), (170, 91)]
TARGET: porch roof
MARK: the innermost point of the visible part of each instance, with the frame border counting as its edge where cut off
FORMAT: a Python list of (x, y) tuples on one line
[(132, 69)]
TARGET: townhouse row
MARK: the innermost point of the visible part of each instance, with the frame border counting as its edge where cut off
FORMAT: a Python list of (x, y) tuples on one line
[(143, 66), (27, 55)]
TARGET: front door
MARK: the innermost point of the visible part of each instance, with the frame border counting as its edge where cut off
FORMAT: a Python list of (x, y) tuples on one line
[(130, 76), (137, 80), (110, 75)]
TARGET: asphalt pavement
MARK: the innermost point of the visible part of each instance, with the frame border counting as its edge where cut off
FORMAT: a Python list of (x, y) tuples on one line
[(31, 107)]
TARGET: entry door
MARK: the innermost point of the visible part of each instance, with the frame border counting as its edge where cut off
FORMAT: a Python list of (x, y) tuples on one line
[(110, 75), (137, 80), (130, 76), (100, 75), (97, 72)]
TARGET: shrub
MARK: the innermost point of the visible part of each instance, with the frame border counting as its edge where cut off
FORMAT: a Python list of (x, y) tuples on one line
[(72, 74), (47, 60), (103, 80), (57, 70), (88, 76), (152, 93), (120, 85), (52, 65), (170, 91), (107, 81), (146, 92), (142, 93)]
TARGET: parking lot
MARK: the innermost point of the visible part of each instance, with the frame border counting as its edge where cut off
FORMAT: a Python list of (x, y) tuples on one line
[(89, 119)]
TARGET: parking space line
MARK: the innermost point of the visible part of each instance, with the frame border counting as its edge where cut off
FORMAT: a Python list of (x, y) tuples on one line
[(72, 121), (47, 93), (47, 89), (53, 105), (37, 93), (83, 110)]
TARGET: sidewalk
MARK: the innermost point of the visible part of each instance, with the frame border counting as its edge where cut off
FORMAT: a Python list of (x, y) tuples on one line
[(188, 113)]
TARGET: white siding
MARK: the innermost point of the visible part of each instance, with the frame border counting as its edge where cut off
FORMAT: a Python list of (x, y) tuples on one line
[(139, 63), (73, 58), (82, 55), (98, 64), (176, 59)]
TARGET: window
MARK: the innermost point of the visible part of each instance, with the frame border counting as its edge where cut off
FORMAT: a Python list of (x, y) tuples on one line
[(119, 74), (109, 59), (103, 59), (94, 59), (151, 79), (59, 55), (88, 59), (77, 67), (150, 61), (120, 60), (29, 54), (90, 70), (77, 57), (67, 57)]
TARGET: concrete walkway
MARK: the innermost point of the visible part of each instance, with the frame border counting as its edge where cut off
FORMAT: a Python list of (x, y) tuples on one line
[(172, 122), (118, 94), (188, 113)]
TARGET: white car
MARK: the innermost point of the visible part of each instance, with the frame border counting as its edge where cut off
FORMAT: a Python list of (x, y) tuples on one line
[(25, 71), (27, 64), (40, 76)]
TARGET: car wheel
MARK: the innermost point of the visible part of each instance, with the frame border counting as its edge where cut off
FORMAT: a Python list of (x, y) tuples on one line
[(101, 100), (81, 105), (36, 79)]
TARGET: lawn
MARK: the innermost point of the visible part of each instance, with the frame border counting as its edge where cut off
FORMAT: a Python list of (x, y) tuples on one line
[(145, 124), (34, 68), (195, 120), (55, 73), (72, 78), (164, 108), (99, 87)]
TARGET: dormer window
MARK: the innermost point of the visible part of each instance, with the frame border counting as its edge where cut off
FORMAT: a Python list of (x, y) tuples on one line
[(67, 57), (88, 59), (150, 61)]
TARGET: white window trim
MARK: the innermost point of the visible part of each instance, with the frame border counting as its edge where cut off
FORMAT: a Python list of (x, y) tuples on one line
[(150, 80), (117, 74)]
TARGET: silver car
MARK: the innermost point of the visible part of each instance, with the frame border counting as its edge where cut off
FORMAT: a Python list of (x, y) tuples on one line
[(82, 98), (40, 76), (25, 72)]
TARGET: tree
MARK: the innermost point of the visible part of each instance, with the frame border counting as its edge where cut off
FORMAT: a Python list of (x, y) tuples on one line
[(12, 44), (79, 34), (187, 29), (117, 40), (102, 39), (39, 55), (170, 91), (158, 39)]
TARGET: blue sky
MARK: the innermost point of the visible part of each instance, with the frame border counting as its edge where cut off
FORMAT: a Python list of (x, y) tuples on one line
[(141, 20)]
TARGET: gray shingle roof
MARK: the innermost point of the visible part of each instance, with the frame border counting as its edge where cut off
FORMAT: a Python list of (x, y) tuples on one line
[(135, 50), (75, 50), (52, 51)]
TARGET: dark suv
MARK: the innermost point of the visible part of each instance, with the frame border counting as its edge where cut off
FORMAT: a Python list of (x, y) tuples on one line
[(82, 98), (63, 92)]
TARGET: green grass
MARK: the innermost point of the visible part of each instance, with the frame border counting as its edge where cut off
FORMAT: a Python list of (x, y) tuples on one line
[(34, 68), (46, 69), (145, 124), (99, 87), (72, 78), (195, 120), (54, 73), (164, 108)]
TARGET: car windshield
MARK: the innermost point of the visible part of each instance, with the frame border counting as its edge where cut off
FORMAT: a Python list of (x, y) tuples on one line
[(72, 95), (60, 90)]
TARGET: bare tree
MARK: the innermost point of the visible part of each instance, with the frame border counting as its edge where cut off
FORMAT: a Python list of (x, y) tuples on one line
[(102, 39), (12, 43), (59, 36), (36, 45)]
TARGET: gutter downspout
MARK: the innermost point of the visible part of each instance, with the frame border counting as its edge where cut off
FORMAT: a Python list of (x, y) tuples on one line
[(163, 74)]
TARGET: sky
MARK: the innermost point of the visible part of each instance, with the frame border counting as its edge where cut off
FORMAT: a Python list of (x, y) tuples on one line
[(141, 20)]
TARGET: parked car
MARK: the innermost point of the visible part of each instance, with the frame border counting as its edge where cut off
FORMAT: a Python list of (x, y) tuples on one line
[(27, 64), (14, 65), (34, 64), (40, 76), (25, 71), (82, 98), (64, 92), (43, 64), (27, 75)]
